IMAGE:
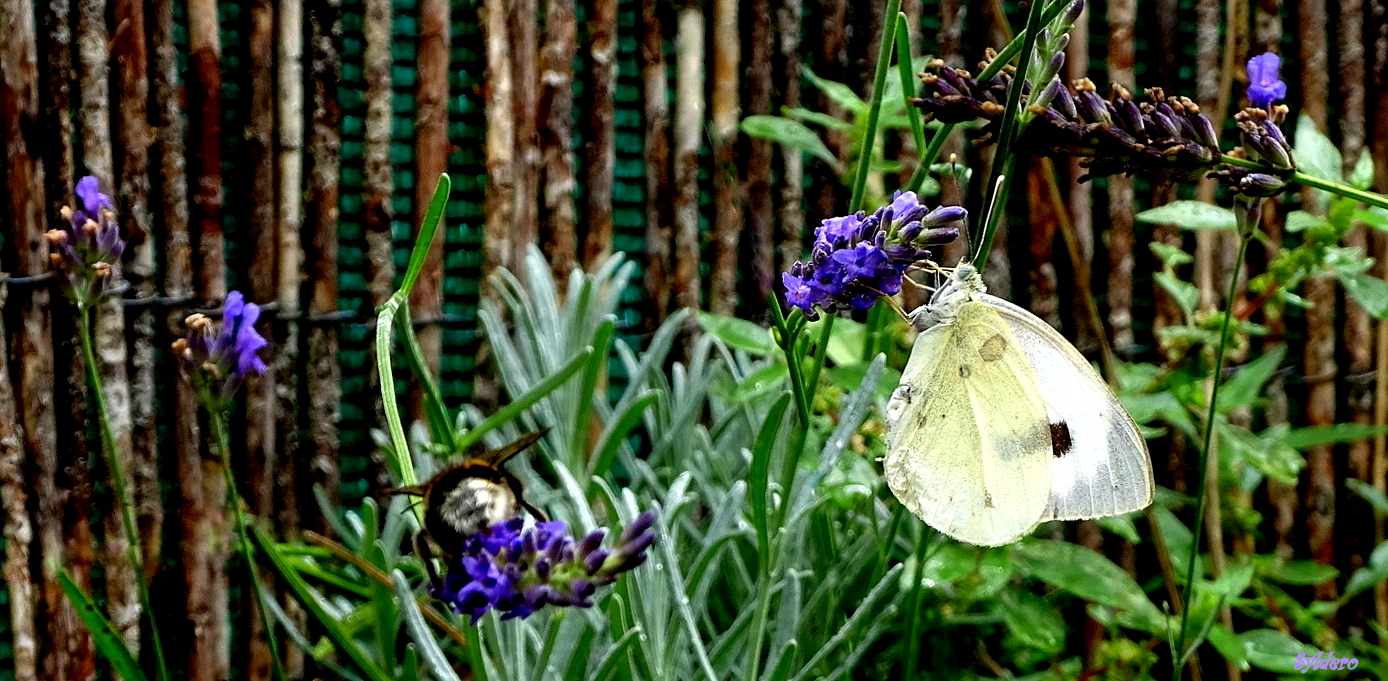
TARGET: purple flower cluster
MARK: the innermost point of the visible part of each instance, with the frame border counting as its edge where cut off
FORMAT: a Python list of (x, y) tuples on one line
[(857, 258), (1264, 80), (219, 357), (89, 244), (517, 570)]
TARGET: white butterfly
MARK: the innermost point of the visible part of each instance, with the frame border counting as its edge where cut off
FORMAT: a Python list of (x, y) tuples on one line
[(1000, 424)]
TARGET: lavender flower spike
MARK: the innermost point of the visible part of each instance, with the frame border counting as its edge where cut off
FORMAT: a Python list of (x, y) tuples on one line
[(858, 258), (517, 570), (1264, 80), (89, 245), (219, 358)]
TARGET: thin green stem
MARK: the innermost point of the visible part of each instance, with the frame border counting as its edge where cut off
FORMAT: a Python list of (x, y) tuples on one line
[(222, 438), (1203, 493), (879, 83), (905, 64), (1003, 158), (117, 468), (1370, 198)]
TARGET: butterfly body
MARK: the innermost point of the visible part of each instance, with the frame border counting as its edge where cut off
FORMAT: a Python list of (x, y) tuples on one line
[(1000, 424)]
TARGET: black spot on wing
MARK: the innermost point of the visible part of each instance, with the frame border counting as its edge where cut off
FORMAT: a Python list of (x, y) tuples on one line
[(1061, 443)]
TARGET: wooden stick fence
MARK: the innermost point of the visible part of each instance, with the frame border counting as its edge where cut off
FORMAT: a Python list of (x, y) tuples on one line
[(227, 166)]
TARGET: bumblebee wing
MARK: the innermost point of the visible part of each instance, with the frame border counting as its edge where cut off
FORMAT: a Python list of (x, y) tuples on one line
[(497, 457)]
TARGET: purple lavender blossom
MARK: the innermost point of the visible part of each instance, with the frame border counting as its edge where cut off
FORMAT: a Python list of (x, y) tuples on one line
[(1264, 83), (220, 357), (858, 258), (89, 245), (517, 570)]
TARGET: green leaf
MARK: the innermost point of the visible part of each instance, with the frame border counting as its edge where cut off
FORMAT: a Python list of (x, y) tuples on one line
[(1274, 458), (840, 93), (1170, 256), (1190, 215), (1185, 293), (1303, 573), (1316, 155), (1366, 577), (1303, 439), (1234, 581), (1370, 493), (1370, 292), (820, 119), (1373, 216), (738, 333), (513, 410), (108, 642), (1121, 525), (1086, 574), (1273, 650), (1228, 645), (1362, 177), (1300, 221), (1032, 620), (1244, 387), (429, 648), (789, 132)]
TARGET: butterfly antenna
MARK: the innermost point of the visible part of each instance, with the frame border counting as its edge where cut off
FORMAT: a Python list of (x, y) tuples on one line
[(993, 201)]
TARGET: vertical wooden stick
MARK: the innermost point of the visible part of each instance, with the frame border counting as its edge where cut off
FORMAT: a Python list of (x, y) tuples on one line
[(600, 149), (761, 208), (525, 77), (1377, 35), (376, 195), (724, 112), (656, 98), (501, 134), (1121, 17), (14, 500), (431, 160), (789, 189), (1320, 366), (689, 120), (205, 109), (555, 129)]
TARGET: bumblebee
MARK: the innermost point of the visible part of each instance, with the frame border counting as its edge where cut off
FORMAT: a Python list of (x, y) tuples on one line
[(465, 498)]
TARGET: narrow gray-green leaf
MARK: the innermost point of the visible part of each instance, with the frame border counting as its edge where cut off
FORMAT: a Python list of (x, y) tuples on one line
[(791, 133), (419, 630), (1190, 215)]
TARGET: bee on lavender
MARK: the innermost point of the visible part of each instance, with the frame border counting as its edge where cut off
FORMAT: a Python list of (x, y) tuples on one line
[(466, 498)]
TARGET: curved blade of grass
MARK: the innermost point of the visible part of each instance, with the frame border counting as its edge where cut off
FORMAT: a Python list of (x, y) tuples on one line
[(904, 60), (436, 413), (399, 457), (761, 472), (509, 412), (108, 642), (419, 631), (312, 603), (617, 431)]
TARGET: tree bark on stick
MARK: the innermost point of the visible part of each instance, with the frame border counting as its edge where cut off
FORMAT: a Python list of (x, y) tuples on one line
[(431, 160), (833, 57), (1377, 36), (1121, 16), (659, 220), (1358, 328), (262, 449), (131, 54), (289, 32), (323, 383), (499, 202), (761, 208), (18, 532), (1080, 196), (525, 78), (555, 129), (93, 58), (35, 376), (1319, 365), (789, 187), (689, 121), (724, 112), (600, 149), (205, 108), (379, 186)]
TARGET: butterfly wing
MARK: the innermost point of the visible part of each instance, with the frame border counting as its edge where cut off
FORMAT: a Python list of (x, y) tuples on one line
[(1105, 469), (968, 435)]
